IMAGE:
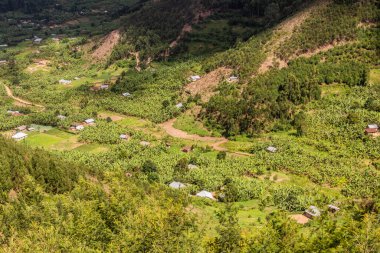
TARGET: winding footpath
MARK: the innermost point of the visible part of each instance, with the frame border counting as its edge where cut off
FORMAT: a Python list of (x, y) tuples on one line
[(215, 142), (20, 100)]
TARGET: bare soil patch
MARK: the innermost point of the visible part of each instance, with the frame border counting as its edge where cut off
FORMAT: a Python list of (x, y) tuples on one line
[(299, 218), (107, 45), (207, 84), (39, 64)]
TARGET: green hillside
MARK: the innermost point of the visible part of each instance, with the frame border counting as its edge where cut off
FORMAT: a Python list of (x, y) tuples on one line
[(282, 118)]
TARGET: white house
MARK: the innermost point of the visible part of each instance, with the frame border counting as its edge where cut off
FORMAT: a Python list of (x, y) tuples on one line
[(79, 128), (176, 185), (194, 78), (373, 126), (205, 194), (104, 87), (272, 149), (61, 117), (64, 82), (19, 136), (312, 212), (127, 94), (124, 137), (233, 79), (179, 105), (3, 45), (2, 62), (90, 121), (37, 40)]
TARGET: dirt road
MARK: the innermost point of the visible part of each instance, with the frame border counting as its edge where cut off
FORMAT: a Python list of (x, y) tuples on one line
[(22, 101), (215, 142)]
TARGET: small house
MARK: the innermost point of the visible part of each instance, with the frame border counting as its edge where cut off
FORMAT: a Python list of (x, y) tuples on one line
[(79, 127), (3, 45), (312, 212), (205, 194), (22, 128), (89, 121), (37, 40), (371, 131), (31, 129), (61, 117), (373, 126), (14, 113), (19, 136), (195, 78), (124, 136), (179, 106), (272, 149), (127, 94), (233, 79), (187, 149), (64, 82), (2, 62), (333, 208), (104, 87), (176, 185)]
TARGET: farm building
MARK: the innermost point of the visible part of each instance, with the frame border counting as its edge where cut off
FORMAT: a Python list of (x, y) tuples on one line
[(104, 87), (14, 113), (89, 121), (272, 149), (179, 105), (205, 194), (194, 78), (79, 128), (333, 208), (312, 212), (19, 136), (124, 137), (233, 79), (64, 81), (21, 128), (37, 40), (176, 185), (2, 62), (127, 94)]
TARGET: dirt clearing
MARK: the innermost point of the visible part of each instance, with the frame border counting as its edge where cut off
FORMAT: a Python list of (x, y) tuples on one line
[(107, 45)]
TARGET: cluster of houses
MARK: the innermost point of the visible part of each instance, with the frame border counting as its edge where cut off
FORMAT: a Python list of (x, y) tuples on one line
[(20, 132), (372, 130), (202, 194), (313, 211), (81, 126)]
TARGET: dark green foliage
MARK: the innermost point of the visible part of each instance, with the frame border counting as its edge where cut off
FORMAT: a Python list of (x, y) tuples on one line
[(52, 173)]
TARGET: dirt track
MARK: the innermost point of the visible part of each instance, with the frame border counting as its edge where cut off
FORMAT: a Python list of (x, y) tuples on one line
[(22, 101), (215, 142)]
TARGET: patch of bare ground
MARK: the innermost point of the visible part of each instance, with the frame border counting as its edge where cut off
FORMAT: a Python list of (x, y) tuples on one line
[(214, 142), (107, 45), (206, 86), (40, 64), (282, 33), (111, 116), (300, 219)]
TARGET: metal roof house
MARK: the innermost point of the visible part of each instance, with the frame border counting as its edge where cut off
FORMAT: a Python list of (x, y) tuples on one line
[(205, 194), (312, 212), (272, 149), (176, 185), (90, 121), (194, 78), (19, 136)]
